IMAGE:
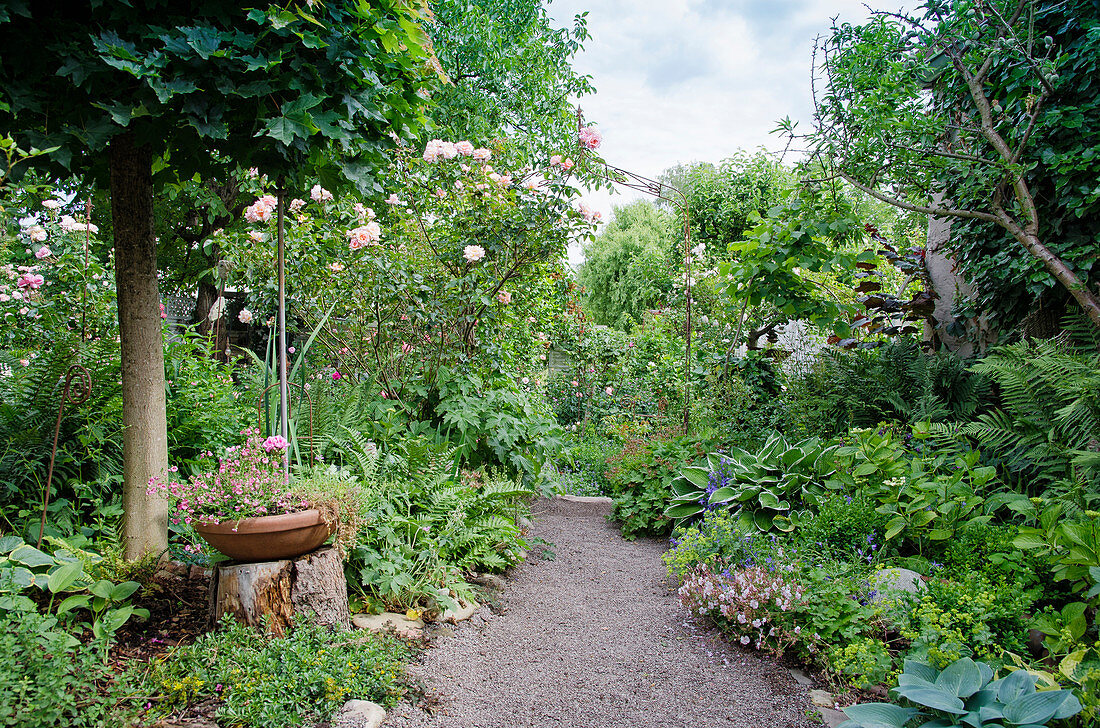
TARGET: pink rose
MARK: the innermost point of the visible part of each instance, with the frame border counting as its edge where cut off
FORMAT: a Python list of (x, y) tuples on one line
[(590, 137), (34, 281), (473, 253), (504, 297), (464, 148), (43, 252)]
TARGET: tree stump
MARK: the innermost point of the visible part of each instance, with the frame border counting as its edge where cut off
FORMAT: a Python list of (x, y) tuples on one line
[(312, 584)]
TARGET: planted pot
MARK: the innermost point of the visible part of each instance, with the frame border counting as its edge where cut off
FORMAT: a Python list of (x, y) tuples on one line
[(267, 538)]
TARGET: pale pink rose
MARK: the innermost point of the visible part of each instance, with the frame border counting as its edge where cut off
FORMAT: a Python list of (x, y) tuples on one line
[(51, 204), (609, 391), (364, 213), (574, 383), (473, 253), (256, 237), (253, 172), (320, 194), (257, 212), (364, 235), (567, 164), (43, 252), (31, 281), (297, 204), (494, 177), (270, 201), (336, 267), (245, 316), (590, 137), (36, 233), (481, 155), (25, 362), (394, 200), (505, 180), (504, 297), (464, 148), (447, 150), (24, 311), (555, 160)]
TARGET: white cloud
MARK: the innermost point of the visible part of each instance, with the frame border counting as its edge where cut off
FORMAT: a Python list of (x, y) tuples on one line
[(695, 80)]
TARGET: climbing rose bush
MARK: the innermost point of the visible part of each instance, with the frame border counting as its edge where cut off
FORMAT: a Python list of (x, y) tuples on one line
[(248, 482)]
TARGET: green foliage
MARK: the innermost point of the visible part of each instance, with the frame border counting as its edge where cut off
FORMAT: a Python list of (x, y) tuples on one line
[(50, 680), (422, 530), (898, 382), (1049, 422), (627, 268), (967, 616), (641, 476), (843, 526), (290, 84), (510, 74), (69, 571), (965, 693), (771, 488), (1007, 135), (267, 681)]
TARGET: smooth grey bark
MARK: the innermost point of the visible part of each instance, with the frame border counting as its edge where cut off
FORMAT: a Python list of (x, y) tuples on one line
[(144, 436)]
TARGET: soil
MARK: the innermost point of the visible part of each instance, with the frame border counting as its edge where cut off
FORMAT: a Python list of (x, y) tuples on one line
[(594, 637)]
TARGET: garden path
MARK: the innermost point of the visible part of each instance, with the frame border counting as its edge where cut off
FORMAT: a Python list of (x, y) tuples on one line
[(595, 638)]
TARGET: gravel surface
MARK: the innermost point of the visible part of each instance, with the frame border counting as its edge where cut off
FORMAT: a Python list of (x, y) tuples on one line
[(595, 637)]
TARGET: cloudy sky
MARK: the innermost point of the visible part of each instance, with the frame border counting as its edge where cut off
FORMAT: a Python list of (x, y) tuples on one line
[(695, 80)]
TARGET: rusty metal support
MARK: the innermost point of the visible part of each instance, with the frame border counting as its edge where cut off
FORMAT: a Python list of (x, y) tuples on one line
[(75, 398)]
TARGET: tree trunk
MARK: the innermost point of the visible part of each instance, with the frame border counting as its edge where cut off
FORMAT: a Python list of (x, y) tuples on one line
[(144, 436), (313, 584)]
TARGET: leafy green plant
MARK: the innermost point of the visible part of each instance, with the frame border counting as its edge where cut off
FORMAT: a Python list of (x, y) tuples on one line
[(964, 693), (641, 476), (49, 679), (264, 681), (772, 488), (1049, 421)]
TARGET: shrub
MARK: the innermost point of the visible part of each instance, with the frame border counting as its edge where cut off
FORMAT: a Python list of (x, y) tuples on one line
[(265, 681), (48, 679), (844, 527), (641, 476)]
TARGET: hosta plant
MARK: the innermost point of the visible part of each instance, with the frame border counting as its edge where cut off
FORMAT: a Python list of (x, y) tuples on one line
[(767, 489), (964, 694)]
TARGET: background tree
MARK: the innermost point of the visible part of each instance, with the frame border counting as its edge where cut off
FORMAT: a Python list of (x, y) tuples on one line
[(115, 87), (629, 267), (510, 75), (1007, 139)]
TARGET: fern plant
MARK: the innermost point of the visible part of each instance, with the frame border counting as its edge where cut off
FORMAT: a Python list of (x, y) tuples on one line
[(1047, 430)]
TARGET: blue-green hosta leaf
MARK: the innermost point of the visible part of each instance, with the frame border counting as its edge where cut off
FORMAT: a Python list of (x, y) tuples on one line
[(920, 670), (935, 698), (880, 715), (938, 723), (961, 678), (7, 543), (1014, 685), (1038, 708), (911, 680)]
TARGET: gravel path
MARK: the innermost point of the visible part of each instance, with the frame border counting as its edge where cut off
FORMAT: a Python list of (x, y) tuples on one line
[(595, 638)]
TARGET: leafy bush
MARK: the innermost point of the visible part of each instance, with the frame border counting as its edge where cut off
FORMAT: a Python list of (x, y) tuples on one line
[(966, 617), (895, 382), (641, 476), (265, 681), (771, 488), (843, 527), (49, 679)]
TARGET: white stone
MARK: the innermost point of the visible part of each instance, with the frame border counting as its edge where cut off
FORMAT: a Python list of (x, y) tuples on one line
[(585, 498), (822, 698), (399, 624), (465, 611), (359, 714), (888, 580)]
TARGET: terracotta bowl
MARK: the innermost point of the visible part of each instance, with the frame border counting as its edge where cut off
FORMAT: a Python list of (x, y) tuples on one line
[(267, 538)]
